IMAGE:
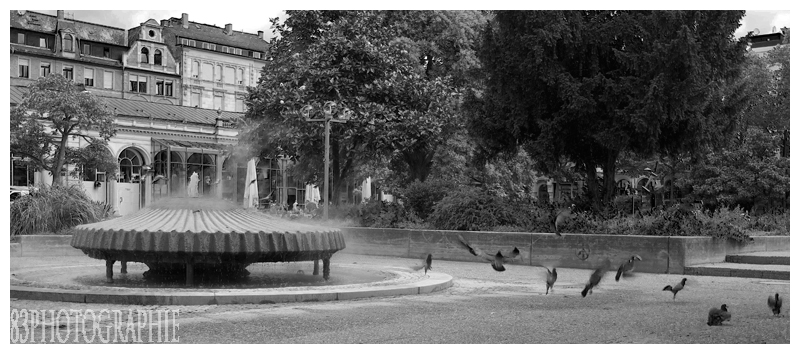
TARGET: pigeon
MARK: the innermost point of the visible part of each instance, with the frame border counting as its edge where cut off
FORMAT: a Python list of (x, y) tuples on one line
[(551, 278), (496, 260), (595, 278), (627, 267), (675, 289), (775, 304), (717, 316), (426, 264), (562, 217)]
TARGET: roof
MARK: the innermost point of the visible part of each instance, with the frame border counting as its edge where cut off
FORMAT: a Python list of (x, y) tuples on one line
[(212, 34), (190, 145), (39, 22), (23, 49), (140, 109)]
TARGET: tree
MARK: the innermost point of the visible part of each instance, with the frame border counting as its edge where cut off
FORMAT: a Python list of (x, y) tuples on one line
[(753, 170), (51, 112), (361, 61), (586, 85)]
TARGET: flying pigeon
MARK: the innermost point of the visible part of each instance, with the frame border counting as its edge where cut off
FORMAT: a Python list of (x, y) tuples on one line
[(497, 260), (627, 267), (775, 304), (426, 264), (595, 278), (562, 217)]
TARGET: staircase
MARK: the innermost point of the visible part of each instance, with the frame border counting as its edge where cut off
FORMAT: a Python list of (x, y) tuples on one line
[(764, 265)]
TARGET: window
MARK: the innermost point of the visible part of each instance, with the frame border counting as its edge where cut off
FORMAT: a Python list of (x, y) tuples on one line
[(218, 73), (23, 68), (21, 38), (240, 77), (239, 104), (108, 80), (164, 88), (212, 46), (192, 43), (66, 44), (87, 49), (229, 72), (196, 99), (224, 49), (43, 42), (195, 69), (138, 83), (68, 72), (157, 57), (217, 102), (238, 51), (88, 76), (207, 72), (257, 55), (44, 69), (145, 57), (106, 52), (189, 42)]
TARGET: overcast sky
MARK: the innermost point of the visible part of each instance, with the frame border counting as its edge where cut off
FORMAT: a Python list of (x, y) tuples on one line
[(252, 18)]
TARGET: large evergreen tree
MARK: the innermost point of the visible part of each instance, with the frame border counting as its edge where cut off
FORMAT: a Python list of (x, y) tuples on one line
[(587, 85)]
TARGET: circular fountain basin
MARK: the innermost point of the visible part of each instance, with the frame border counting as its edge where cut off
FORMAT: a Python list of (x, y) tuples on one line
[(178, 235)]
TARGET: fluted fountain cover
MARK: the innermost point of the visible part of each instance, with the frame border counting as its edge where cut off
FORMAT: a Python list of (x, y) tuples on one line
[(207, 231)]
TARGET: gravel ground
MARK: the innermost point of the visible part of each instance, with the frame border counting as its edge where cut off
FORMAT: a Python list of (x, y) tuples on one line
[(485, 306)]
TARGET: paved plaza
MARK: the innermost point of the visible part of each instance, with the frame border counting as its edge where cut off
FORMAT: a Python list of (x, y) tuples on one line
[(484, 306)]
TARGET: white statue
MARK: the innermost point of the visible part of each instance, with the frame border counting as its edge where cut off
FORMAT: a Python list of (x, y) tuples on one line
[(192, 188)]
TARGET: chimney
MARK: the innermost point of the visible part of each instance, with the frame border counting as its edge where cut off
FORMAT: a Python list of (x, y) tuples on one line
[(229, 29), (164, 23), (60, 14), (260, 34), (185, 20)]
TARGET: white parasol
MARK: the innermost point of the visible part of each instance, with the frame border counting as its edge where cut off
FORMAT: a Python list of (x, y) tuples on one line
[(251, 187)]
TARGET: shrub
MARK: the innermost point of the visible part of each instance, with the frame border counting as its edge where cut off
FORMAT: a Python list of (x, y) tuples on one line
[(52, 210), (470, 209), (420, 197)]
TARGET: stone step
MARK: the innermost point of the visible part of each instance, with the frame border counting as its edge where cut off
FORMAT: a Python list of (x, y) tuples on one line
[(763, 271), (756, 259)]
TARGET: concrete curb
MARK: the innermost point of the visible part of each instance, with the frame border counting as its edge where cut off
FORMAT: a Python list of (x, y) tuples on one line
[(434, 282)]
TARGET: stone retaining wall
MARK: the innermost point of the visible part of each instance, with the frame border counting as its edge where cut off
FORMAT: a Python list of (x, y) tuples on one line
[(660, 254)]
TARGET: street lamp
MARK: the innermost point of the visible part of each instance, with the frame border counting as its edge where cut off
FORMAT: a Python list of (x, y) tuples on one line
[(283, 160), (342, 117)]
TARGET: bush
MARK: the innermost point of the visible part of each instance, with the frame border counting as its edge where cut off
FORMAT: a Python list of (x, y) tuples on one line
[(420, 197), (52, 210), (471, 209)]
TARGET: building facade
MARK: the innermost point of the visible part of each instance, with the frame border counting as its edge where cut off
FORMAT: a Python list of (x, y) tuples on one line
[(217, 64)]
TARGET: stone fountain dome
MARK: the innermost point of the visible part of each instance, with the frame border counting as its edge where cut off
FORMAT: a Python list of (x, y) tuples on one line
[(206, 232)]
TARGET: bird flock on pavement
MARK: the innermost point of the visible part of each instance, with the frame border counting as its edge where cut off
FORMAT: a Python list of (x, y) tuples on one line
[(715, 316)]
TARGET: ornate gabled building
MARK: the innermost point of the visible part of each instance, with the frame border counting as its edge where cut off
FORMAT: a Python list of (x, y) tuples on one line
[(151, 72)]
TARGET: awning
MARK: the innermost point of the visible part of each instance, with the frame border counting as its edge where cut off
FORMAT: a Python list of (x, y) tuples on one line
[(191, 146)]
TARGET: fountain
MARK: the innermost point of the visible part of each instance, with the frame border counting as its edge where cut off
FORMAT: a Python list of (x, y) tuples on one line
[(204, 236)]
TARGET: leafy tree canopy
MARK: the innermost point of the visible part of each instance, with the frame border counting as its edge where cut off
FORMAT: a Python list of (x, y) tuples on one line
[(398, 82), (51, 112)]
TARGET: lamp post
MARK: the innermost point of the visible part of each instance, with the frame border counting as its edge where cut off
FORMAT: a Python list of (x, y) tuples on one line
[(283, 160), (343, 117)]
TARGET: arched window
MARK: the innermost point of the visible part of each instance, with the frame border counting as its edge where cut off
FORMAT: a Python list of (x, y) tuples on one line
[(205, 166), (157, 57), (66, 44), (130, 166), (145, 56), (170, 170)]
